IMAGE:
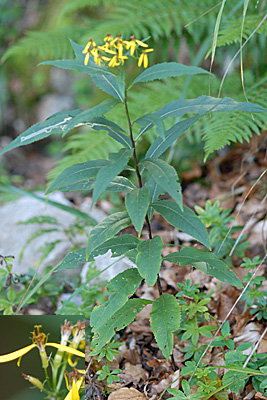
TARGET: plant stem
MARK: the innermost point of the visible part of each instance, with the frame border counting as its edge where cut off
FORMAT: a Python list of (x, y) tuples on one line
[(139, 177)]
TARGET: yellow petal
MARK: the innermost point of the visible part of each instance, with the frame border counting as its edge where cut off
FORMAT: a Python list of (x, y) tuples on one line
[(140, 60), (67, 349), (141, 43), (145, 61), (74, 393), (86, 59), (17, 354)]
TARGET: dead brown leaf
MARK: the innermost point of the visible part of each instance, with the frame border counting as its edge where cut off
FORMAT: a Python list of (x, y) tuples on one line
[(126, 394)]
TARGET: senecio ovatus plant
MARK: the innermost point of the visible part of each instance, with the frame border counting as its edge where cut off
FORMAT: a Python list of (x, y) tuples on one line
[(155, 177), (72, 337)]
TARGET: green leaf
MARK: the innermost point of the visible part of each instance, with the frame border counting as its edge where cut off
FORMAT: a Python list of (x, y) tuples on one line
[(94, 112), (152, 119), (106, 229), (137, 202), (102, 77), (149, 259), (114, 130), (160, 145), (76, 174), (105, 175), (187, 221), (41, 219), (121, 184), (165, 319), (166, 176), (123, 317), (206, 262), (52, 125), (154, 191), (122, 286), (167, 70), (199, 105), (118, 245)]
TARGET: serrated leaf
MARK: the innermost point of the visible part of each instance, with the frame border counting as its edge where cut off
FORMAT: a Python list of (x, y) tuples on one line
[(118, 245), (122, 286), (105, 175), (152, 119), (102, 77), (121, 184), (123, 317), (137, 202), (94, 112), (167, 70), (206, 262), (159, 146), (165, 319), (200, 105), (166, 176), (149, 259), (77, 174), (187, 221), (107, 229), (51, 126), (114, 130)]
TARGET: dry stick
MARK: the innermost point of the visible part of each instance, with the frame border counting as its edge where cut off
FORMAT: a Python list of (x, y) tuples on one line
[(242, 204), (247, 225), (255, 347), (229, 313)]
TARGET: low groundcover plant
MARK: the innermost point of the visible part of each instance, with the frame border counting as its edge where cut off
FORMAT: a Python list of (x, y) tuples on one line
[(153, 177)]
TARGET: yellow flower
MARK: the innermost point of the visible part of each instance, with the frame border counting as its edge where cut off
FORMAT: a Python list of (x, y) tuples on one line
[(132, 44), (116, 60), (89, 44), (76, 383), (143, 59), (40, 341)]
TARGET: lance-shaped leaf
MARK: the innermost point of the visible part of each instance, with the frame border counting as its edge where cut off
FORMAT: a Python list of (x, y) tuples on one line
[(77, 174), (121, 184), (105, 175), (102, 77), (165, 319), (137, 202), (55, 124), (166, 176), (93, 112), (187, 221), (107, 229), (119, 245), (114, 130), (150, 120), (206, 262), (149, 259), (121, 287), (160, 145), (122, 318), (202, 104), (113, 85), (154, 191), (167, 70)]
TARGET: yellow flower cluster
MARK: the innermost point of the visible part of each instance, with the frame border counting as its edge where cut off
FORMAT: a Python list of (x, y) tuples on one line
[(112, 51)]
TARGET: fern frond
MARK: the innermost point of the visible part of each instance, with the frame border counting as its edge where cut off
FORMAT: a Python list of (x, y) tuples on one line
[(222, 129), (231, 32), (46, 45)]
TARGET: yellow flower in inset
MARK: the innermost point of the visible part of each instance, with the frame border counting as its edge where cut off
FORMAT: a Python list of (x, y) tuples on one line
[(40, 341), (132, 44), (143, 59), (76, 382)]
